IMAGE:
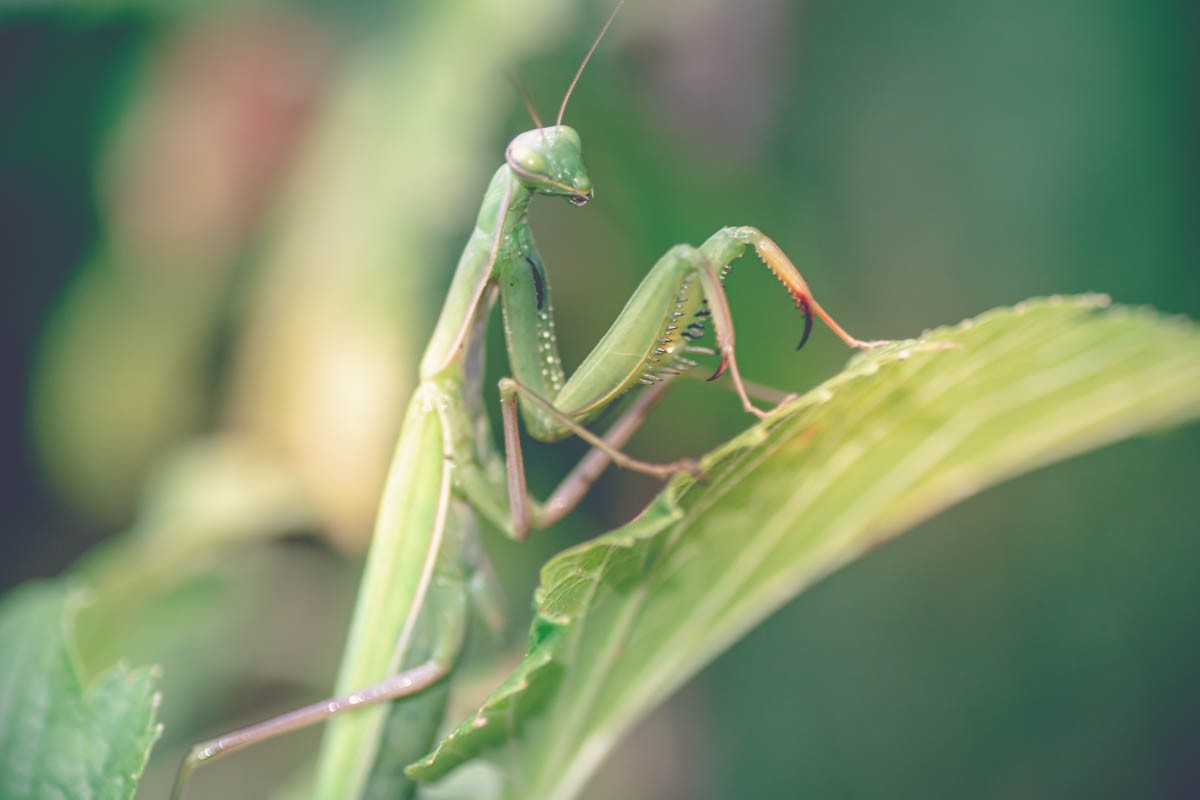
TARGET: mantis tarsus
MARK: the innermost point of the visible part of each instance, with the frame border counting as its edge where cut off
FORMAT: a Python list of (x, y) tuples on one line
[(425, 562)]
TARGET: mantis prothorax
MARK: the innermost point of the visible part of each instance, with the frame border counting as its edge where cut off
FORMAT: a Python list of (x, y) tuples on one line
[(425, 563)]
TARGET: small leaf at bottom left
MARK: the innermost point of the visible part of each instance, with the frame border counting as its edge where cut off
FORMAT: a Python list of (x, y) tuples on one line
[(62, 737)]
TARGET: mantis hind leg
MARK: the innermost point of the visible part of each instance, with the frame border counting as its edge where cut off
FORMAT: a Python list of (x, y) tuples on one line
[(409, 626), (445, 648), (405, 684)]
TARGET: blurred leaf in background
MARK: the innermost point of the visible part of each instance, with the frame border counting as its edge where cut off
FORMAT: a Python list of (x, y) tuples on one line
[(281, 193), (62, 736), (214, 113)]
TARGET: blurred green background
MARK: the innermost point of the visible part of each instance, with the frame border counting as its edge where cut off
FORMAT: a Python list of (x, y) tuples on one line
[(226, 231)]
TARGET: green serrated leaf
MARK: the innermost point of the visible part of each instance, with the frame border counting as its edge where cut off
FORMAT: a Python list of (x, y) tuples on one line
[(902, 433), (58, 738)]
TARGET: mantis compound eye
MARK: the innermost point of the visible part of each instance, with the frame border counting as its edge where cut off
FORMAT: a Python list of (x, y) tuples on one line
[(531, 161)]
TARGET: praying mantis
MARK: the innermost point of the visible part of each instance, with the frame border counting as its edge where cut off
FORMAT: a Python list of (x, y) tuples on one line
[(425, 568)]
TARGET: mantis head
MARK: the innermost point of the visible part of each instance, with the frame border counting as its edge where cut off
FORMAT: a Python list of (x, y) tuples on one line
[(550, 161)]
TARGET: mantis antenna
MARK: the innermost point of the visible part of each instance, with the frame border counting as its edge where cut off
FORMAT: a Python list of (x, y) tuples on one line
[(562, 109), (526, 99)]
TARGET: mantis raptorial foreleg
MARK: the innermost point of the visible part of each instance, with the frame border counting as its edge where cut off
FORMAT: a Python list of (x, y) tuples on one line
[(408, 624), (645, 343)]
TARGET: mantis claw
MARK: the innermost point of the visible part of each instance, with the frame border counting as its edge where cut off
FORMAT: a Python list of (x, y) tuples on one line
[(806, 309), (724, 365)]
